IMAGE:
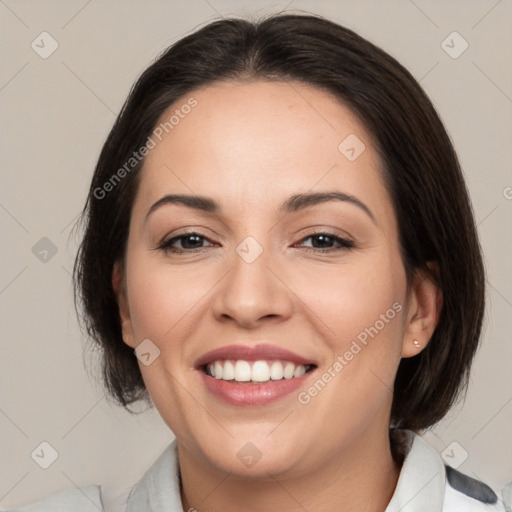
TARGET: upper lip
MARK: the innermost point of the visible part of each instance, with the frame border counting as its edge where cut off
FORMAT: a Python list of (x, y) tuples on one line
[(252, 353)]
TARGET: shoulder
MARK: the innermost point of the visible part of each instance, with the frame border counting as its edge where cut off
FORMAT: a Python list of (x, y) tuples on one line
[(84, 499), (427, 483), (159, 487), (463, 492)]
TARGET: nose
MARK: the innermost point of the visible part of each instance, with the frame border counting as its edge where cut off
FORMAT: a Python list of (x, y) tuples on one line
[(253, 292)]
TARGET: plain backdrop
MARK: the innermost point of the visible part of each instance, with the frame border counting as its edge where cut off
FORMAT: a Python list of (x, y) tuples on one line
[(56, 112)]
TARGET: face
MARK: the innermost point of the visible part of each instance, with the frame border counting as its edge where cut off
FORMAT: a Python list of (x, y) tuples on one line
[(299, 286)]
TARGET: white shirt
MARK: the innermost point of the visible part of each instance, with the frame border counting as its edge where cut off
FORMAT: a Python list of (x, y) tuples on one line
[(425, 484)]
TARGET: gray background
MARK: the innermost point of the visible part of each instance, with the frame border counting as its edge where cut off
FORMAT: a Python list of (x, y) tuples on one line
[(56, 114)]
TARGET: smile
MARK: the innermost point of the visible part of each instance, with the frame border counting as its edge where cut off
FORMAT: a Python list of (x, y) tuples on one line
[(252, 375)]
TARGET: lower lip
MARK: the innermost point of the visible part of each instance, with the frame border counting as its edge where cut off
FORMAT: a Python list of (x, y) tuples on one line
[(243, 393)]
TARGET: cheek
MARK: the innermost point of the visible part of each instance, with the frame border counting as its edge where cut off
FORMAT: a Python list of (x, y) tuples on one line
[(360, 311), (352, 297), (161, 298), (360, 318)]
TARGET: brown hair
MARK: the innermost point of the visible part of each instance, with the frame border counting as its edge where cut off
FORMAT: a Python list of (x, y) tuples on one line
[(420, 169)]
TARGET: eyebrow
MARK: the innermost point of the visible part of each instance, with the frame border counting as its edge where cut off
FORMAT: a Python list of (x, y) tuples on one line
[(293, 204)]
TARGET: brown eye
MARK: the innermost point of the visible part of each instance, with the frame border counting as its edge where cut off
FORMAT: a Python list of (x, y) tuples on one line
[(190, 242), (322, 242)]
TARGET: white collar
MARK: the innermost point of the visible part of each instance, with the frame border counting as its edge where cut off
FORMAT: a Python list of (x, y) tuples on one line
[(422, 481)]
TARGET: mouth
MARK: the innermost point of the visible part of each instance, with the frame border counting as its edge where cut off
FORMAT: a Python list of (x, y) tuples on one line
[(257, 375)]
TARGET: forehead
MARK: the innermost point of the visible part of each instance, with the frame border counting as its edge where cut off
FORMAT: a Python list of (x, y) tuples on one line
[(250, 145)]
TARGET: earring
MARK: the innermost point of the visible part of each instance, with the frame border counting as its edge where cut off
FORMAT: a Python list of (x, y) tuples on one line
[(416, 343)]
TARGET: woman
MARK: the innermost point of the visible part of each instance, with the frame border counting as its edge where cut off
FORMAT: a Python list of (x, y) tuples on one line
[(280, 254)]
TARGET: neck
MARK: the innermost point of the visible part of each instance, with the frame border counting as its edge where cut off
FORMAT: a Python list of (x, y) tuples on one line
[(361, 477)]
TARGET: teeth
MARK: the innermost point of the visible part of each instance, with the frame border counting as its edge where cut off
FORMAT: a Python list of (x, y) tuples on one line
[(299, 371), (260, 371), (228, 371), (257, 371), (288, 370), (218, 370), (276, 370), (242, 371)]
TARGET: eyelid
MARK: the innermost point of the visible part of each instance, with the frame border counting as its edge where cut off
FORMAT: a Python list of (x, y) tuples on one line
[(321, 229), (343, 242), (167, 240)]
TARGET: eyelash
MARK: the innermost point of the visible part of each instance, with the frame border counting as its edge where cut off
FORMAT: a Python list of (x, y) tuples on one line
[(167, 247)]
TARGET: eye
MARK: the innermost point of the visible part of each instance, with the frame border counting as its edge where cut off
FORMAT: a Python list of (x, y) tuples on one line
[(325, 241), (190, 241)]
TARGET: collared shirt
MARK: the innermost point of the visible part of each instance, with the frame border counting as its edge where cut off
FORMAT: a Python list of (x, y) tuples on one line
[(425, 484)]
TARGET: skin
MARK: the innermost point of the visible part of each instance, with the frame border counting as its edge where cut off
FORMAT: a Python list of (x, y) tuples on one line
[(250, 146)]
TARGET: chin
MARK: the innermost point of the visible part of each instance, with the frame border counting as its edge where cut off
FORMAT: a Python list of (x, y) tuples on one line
[(254, 456)]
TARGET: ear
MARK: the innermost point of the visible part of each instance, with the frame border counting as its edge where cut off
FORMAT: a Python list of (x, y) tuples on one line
[(119, 286), (424, 308)]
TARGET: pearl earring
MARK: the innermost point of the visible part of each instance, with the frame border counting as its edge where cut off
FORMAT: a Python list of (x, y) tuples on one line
[(416, 343)]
